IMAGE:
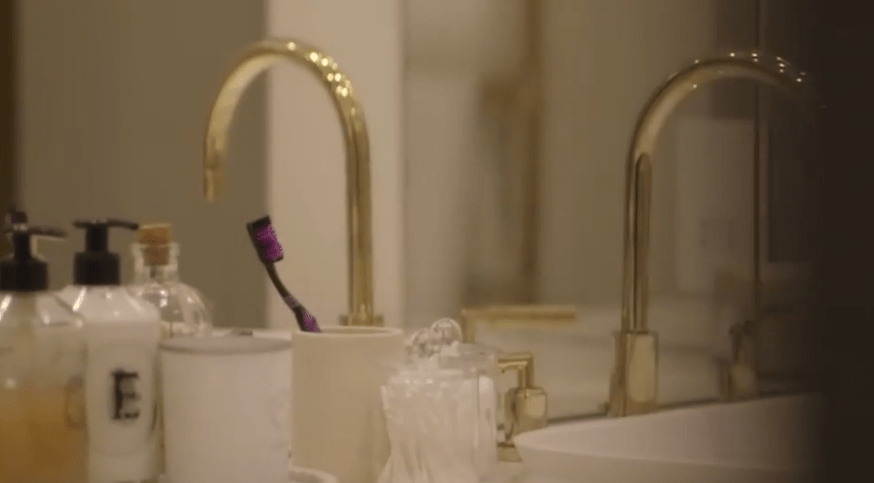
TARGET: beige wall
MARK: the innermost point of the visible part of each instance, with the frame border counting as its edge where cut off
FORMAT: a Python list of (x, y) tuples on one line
[(113, 102)]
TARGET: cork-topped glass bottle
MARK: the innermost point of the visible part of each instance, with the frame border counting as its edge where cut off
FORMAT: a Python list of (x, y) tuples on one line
[(183, 308)]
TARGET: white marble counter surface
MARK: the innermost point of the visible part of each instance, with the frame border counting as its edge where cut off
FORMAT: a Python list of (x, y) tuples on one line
[(510, 473)]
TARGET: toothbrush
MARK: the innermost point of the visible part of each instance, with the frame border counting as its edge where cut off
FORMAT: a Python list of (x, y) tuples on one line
[(270, 251)]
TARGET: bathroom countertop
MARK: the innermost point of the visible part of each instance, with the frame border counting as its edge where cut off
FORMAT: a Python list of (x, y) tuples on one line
[(510, 473)]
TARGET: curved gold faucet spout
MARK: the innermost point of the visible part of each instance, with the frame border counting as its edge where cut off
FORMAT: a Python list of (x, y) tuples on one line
[(256, 60), (633, 386), (773, 71)]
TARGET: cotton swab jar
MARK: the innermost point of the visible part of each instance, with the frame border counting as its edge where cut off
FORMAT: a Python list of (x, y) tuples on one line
[(484, 362), (446, 336), (431, 419), (438, 409)]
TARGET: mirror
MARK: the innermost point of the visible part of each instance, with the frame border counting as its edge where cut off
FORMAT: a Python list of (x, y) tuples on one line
[(519, 118)]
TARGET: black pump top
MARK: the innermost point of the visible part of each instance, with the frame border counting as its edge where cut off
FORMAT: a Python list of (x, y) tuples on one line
[(15, 216), (97, 265), (23, 270)]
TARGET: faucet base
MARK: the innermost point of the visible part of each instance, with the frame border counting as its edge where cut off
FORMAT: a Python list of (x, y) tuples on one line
[(740, 378), (740, 382), (634, 383), (359, 319)]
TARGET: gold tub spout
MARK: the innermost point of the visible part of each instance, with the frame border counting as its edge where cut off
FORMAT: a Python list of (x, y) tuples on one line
[(258, 58), (633, 386)]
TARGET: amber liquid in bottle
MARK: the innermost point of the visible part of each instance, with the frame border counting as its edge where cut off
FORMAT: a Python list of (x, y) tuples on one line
[(42, 435)]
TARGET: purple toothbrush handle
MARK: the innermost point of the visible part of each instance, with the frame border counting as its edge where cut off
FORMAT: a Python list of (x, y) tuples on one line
[(309, 322)]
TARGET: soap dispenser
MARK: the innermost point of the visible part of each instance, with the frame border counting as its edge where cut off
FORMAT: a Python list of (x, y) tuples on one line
[(42, 369), (15, 216), (156, 263), (121, 392)]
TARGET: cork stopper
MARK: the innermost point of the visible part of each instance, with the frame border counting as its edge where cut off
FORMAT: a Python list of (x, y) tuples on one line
[(155, 239)]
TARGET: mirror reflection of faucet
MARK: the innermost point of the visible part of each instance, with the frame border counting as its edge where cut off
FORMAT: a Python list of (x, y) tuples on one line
[(771, 71)]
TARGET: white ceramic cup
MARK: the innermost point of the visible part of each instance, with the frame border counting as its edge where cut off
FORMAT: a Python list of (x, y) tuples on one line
[(336, 383), (271, 334), (225, 402)]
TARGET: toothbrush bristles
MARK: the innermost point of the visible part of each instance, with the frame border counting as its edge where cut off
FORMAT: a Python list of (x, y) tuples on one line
[(265, 240)]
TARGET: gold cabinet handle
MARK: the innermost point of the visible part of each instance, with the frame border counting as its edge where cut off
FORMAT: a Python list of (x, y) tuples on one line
[(526, 316), (524, 405)]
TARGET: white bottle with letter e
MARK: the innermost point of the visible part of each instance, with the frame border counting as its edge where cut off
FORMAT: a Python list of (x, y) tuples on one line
[(121, 392)]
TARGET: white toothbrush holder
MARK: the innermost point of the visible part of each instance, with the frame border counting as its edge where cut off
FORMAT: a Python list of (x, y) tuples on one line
[(334, 397), (226, 409)]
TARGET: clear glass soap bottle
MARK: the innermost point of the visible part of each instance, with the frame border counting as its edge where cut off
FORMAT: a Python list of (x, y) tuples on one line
[(183, 308), (43, 357)]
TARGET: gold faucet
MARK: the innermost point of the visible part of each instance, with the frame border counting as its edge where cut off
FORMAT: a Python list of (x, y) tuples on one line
[(258, 58), (634, 383), (525, 406)]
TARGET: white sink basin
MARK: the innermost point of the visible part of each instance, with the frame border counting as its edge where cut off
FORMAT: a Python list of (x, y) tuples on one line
[(763, 441)]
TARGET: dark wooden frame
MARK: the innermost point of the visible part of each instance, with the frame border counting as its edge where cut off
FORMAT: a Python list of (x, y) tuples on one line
[(8, 91)]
